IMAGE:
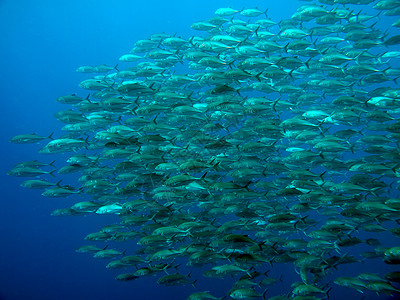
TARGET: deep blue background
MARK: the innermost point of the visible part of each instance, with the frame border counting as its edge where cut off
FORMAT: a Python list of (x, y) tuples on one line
[(41, 45)]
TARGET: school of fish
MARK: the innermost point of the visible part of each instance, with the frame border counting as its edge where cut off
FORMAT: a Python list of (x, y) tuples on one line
[(251, 144)]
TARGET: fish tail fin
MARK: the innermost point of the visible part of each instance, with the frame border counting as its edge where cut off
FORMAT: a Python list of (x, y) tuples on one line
[(275, 103), (321, 155), (247, 185), (387, 69), (194, 284), (260, 245), (273, 247), (327, 292), (230, 64), (307, 63), (79, 192), (203, 176), (303, 220), (286, 47), (190, 40), (336, 247), (264, 293), (258, 76), (189, 97), (172, 141), (351, 146)]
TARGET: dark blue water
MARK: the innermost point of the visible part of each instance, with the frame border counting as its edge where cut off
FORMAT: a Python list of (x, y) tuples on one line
[(41, 45)]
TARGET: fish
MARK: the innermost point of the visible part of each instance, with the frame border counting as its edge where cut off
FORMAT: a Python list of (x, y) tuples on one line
[(38, 184), (126, 277), (351, 282), (245, 293), (226, 11), (108, 253), (392, 255), (201, 296), (175, 279), (60, 192), (23, 171), (88, 249), (114, 208), (63, 145), (252, 143), (382, 287), (29, 138)]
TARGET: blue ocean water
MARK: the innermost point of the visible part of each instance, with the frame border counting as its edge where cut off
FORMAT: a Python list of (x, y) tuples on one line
[(42, 44)]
